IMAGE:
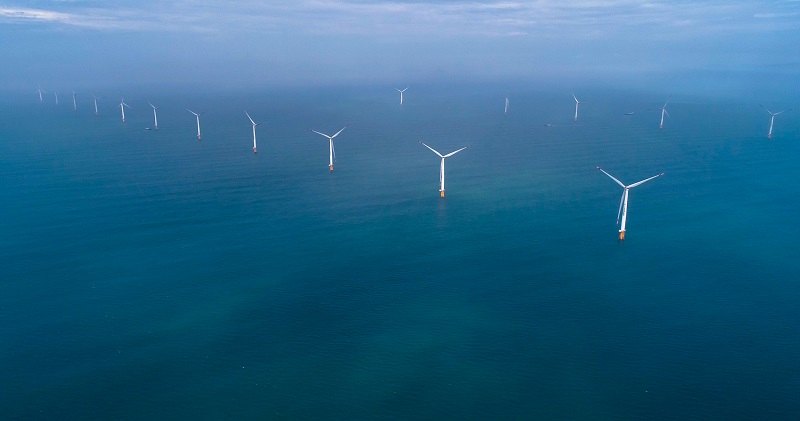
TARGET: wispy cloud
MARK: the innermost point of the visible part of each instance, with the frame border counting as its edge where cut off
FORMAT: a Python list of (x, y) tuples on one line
[(402, 19)]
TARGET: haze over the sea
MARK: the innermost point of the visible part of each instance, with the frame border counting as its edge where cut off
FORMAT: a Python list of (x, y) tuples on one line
[(670, 46)]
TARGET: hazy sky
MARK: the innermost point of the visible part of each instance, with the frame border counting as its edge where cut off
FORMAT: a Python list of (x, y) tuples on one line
[(239, 43)]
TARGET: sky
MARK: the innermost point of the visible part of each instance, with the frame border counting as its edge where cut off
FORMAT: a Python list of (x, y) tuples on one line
[(244, 44)]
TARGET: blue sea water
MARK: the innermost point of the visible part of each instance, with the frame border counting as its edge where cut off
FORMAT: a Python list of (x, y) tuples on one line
[(149, 275)]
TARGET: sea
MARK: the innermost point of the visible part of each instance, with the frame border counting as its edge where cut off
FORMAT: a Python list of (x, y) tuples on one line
[(147, 275)]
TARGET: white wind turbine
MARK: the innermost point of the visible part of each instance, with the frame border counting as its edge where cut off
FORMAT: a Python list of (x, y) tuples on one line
[(56, 94), (401, 93), (623, 202), (122, 106), (74, 103), (663, 112), (505, 109), (254, 132), (332, 153), (40, 91), (155, 115), (96, 112), (441, 167), (577, 103), (772, 119), (198, 121)]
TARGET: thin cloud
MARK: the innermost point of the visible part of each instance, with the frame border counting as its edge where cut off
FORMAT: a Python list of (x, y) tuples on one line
[(399, 19)]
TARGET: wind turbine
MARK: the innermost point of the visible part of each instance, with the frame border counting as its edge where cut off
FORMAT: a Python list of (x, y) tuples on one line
[(155, 115), (56, 93), (198, 121), (772, 119), (623, 202), (254, 133), (97, 113), (122, 106), (401, 94), (577, 103), (332, 154), (441, 167), (74, 103), (663, 112), (40, 91), (505, 109)]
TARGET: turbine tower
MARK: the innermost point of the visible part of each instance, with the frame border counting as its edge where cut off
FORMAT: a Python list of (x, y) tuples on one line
[(772, 119), (254, 132), (74, 103), (401, 94), (577, 103), (332, 153), (664, 112), (198, 121), (96, 112), (122, 106), (623, 202), (441, 167), (155, 115)]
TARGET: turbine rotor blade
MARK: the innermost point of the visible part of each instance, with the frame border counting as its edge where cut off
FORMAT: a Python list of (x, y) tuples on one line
[(337, 133), (323, 134), (612, 177), (251, 119), (434, 150), (453, 153), (621, 200), (643, 181)]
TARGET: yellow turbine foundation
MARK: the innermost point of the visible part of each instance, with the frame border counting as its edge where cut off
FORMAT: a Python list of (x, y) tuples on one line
[(441, 193), (622, 235), (331, 167)]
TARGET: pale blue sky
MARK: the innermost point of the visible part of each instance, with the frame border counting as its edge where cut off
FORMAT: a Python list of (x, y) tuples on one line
[(234, 44)]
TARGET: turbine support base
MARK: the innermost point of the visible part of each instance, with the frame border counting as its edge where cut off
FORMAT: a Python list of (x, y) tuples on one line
[(254, 150), (441, 193), (621, 235), (330, 167)]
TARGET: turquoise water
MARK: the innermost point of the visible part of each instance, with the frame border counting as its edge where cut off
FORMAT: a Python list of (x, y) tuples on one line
[(148, 275)]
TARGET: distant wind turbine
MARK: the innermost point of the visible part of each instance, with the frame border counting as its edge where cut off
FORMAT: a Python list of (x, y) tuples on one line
[(332, 153), (505, 109), (623, 202), (40, 91), (401, 94), (198, 121), (74, 103), (96, 112), (155, 115), (577, 103), (122, 106), (56, 93), (441, 167), (664, 112), (254, 132), (772, 119)]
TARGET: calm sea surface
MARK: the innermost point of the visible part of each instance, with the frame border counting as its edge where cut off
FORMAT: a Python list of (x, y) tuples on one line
[(149, 275)]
